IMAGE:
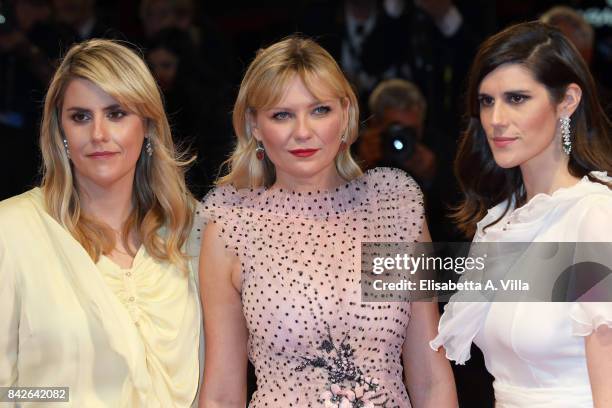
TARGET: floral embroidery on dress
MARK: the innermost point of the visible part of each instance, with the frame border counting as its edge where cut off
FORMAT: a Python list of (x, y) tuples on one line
[(348, 386)]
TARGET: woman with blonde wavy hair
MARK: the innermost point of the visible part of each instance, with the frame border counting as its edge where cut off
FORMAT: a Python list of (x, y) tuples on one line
[(96, 265), (280, 265)]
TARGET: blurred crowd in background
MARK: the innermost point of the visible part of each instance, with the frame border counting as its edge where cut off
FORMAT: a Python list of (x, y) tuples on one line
[(408, 61)]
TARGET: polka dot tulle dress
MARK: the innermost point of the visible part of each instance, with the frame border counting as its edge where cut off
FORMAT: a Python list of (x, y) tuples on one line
[(312, 341)]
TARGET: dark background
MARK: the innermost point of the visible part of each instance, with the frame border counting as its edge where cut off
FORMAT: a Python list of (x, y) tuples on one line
[(212, 43)]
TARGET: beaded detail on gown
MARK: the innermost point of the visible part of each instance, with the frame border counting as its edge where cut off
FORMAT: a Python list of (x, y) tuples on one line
[(312, 341)]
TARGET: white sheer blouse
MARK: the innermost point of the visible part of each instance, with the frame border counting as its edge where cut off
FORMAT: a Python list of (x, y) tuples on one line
[(536, 351)]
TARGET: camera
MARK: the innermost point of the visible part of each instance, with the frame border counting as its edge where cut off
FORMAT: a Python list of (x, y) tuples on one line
[(398, 144)]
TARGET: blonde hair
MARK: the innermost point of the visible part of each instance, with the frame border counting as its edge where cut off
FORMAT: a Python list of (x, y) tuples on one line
[(264, 85), (160, 197)]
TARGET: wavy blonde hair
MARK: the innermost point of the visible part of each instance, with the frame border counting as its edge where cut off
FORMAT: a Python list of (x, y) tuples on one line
[(264, 85), (160, 197)]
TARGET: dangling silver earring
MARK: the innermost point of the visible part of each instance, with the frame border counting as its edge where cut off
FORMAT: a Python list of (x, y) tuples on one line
[(259, 151), (343, 138), (66, 148), (565, 134), (149, 146)]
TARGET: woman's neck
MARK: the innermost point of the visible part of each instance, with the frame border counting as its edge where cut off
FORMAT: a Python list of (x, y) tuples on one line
[(111, 205), (546, 181), (327, 179)]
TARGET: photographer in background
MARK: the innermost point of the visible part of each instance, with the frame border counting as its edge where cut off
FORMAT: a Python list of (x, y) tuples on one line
[(397, 136), (399, 119), (578, 30), (575, 27)]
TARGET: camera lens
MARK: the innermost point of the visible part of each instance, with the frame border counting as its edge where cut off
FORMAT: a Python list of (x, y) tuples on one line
[(398, 143)]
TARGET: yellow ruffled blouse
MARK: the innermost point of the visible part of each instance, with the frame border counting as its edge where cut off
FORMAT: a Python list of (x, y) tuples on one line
[(116, 337)]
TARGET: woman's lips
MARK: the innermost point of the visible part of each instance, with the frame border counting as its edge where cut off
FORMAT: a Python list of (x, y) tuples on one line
[(303, 152), (503, 141), (101, 155)]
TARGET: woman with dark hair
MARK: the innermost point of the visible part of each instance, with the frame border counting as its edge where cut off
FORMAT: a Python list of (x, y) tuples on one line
[(535, 154)]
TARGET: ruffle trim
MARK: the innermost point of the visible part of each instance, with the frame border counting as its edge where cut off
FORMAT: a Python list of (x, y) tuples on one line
[(588, 317), (458, 327), (539, 206)]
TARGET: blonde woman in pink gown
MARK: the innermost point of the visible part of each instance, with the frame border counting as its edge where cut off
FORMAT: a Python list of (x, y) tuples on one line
[(280, 270)]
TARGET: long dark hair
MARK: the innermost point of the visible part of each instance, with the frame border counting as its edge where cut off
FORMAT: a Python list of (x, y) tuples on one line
[(555, 63)]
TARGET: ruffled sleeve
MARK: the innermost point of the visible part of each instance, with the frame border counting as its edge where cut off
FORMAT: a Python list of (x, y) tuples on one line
[(400, 203), (458, 326), (221, 206), (217, 202), (595, 227), (589, 316)]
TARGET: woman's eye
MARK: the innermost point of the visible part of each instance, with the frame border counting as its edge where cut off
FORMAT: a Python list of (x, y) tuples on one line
[(485, 100), (281, 115), (80, 117), (517, 99), (321, 110), (115, 115)]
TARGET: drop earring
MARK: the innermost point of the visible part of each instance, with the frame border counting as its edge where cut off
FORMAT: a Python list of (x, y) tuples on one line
[(149, 147), (259, 151), (566, 134), (343, 138), (66, 148)]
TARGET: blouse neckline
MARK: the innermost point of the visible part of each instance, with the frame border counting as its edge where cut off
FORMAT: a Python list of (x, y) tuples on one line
[(136, 261), (38, 194), (538, 207)]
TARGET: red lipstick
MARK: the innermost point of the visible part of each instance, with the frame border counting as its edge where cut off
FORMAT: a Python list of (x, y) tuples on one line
[(303, 152)]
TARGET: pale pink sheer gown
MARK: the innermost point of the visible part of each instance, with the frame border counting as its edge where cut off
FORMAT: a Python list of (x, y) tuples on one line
[(312, 341)]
